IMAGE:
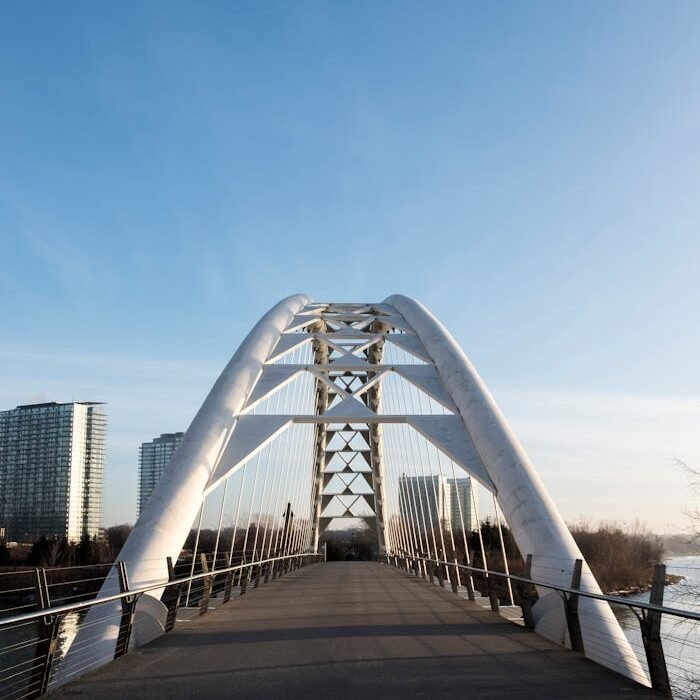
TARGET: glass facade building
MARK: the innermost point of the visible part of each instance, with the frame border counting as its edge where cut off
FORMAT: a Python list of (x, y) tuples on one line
[(51, 470), (426, 500), (154, 457)]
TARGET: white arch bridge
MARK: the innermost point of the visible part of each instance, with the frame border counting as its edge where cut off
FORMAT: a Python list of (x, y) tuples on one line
[(363, 411)]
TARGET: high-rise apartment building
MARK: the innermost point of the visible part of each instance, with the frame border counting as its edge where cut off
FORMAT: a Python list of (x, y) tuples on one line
[(462, 503), (51, 470), (426, 500), (154, 457)]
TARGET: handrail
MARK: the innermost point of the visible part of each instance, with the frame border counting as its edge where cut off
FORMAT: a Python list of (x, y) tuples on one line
[(648, 615), (70, 607), (677, 612)]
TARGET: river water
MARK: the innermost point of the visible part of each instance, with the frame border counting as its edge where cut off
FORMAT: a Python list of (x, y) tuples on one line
[(680, 638)]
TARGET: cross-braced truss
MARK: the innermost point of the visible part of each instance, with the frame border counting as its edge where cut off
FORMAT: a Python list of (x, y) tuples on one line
[(354, 350)]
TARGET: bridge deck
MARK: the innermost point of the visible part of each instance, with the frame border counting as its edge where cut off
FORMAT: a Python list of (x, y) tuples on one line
[(348, 630)]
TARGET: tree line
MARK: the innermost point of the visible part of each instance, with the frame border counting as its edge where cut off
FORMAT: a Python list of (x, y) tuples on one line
[(621, 558)]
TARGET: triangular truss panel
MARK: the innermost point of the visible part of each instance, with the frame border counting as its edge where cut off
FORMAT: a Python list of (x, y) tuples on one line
[(348, 484), (347, 462), (287, 344), (447, 434), (250, 435), (421, 393), (282, 390), (427, 379), (410, 344), (273, 377), (348, 506)]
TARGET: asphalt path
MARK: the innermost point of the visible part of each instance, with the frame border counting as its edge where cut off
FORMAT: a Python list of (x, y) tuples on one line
[(355, 630)]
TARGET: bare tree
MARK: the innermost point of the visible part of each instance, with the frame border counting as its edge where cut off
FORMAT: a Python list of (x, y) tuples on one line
[(116, 536), (693, 476)]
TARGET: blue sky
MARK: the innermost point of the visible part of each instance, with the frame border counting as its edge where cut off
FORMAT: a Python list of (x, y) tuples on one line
[(529, 171)]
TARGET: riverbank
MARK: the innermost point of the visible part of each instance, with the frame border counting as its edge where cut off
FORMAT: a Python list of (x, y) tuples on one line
[(671, 580)]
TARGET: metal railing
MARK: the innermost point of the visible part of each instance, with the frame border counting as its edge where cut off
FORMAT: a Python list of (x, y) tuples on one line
[(40, 624), (647, 614), (36, 634)]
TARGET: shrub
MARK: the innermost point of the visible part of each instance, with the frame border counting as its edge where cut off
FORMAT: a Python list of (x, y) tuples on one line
[(621, 558)]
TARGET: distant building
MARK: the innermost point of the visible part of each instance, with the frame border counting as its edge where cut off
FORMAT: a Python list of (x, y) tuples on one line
[(462, 503), (51, 470), (426, 500), (154, 457)]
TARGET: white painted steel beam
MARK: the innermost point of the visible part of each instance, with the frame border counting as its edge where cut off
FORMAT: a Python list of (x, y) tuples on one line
[(250, 435), (426, 378), (273, 377), (449, 436), (166, 520), (536, 524)]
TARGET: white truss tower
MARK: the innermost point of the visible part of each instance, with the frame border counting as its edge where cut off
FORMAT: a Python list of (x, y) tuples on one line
[(354, 351)]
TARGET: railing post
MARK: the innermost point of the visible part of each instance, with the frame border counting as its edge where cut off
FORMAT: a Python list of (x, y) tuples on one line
[(48, 627), (469, 582), (171, 597), (267, 573), (207, 583), (126, 623), (243, 580), (651, 634), (454, 580), (441, 575), (571, 609), (228, 585), (526, 597), (258, 570), (493, 598)]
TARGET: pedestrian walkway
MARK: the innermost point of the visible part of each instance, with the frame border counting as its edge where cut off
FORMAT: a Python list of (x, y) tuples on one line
[(356, 630)]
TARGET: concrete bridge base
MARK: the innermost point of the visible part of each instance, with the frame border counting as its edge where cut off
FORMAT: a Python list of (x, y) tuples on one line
[(352, 630)]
